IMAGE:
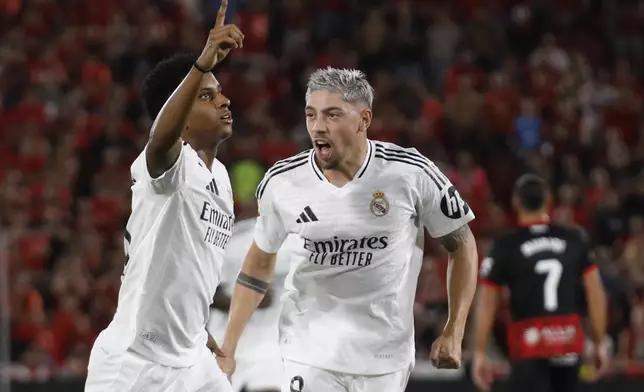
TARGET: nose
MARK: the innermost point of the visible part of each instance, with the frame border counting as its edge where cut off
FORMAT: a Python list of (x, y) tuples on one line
[(319, 126), (222, 101)]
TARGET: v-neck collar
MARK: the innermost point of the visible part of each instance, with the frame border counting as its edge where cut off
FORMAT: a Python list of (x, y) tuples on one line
[(361, 171)]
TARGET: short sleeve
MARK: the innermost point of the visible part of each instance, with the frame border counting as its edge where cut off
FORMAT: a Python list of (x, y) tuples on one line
[(493, 271), (171, 179), (587, 263), (270, 231), (442, 210)]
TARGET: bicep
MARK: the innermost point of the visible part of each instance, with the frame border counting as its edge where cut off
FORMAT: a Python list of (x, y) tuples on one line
[(441, 208), (259, 259), (593, 284), (458, 238)]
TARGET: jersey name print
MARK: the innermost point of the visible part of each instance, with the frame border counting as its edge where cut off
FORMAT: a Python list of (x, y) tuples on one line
[(350, 307), (543, 266), (175, 241)]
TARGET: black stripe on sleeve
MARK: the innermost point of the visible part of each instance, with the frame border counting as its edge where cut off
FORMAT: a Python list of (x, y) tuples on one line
[(418, 158), (262, 185), (424, 168), (284, 162)]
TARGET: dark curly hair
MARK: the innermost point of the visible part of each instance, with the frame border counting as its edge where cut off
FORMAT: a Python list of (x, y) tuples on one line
[(163, 79)]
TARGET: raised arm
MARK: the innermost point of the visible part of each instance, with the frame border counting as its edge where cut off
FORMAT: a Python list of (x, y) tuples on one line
[(164, 145)]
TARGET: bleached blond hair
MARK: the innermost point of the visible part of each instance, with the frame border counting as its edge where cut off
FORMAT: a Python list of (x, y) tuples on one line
[(351, 84)]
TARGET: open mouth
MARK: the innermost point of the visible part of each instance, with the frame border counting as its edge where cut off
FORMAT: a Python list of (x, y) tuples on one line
[(227, 118), (323, 149)]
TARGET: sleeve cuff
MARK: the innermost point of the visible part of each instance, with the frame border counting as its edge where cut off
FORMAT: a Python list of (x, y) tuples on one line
[(590, 269), (265, 245), (489, 284)]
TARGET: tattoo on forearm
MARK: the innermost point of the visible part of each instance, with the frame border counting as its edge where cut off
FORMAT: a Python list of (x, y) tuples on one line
[(254, 284), (452, 241)]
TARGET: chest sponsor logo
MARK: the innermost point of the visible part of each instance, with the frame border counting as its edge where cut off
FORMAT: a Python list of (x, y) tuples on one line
[(348, 252)]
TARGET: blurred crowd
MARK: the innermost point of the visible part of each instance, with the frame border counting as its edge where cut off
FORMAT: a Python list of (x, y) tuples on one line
[(486, 88)]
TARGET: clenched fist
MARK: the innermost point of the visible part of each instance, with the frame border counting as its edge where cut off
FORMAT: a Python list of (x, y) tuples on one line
[(446, 352)]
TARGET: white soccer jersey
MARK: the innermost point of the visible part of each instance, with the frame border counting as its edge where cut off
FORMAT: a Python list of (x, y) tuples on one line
[(260, 338), (350, 307), (175, 242)]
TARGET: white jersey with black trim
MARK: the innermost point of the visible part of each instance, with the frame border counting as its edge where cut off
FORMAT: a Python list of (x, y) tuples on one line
[(260, 339), (175, 240), (350, 306)]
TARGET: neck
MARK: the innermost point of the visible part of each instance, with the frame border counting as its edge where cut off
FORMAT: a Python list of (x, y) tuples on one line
[(348, 168), (208, 156), (532, 218)]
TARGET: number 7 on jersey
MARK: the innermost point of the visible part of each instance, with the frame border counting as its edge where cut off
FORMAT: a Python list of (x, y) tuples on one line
[(552, 268)]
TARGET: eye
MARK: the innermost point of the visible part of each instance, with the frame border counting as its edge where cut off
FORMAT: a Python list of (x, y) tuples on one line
[(334, 115), (309, 115), (205, 96)]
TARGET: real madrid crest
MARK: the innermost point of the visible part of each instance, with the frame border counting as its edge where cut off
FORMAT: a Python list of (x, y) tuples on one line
[(379, 204)]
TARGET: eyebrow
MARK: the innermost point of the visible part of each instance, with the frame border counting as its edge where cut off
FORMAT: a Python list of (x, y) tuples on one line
[(211, 89), (329, 109)]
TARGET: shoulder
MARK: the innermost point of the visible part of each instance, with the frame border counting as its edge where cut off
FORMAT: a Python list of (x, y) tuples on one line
[(574, 235), (417, 170), (139, 168), (508, 240), (407, 160), (393, 154), (283, 169)]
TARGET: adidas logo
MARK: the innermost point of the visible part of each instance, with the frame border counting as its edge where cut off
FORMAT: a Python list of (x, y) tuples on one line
[(212, 187), (307, 216)]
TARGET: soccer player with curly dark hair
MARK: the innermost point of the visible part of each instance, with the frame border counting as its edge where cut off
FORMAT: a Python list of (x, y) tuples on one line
[(175, 240)]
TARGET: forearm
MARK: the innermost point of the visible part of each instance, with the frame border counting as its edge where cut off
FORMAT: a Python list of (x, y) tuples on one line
[(461, 277), (597, 312), (485, 313), (252, 285), (171, 121)]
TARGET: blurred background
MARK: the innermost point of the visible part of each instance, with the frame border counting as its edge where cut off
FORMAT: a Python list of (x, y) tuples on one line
[(486, 88)]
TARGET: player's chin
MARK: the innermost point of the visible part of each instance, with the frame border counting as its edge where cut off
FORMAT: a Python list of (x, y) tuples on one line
[(224, 130)]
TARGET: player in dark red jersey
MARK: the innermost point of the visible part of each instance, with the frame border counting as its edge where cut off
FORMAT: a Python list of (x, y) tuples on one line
[(544, 266)]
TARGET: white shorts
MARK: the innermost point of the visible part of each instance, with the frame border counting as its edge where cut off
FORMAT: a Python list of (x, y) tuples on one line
[(304, 378), (130, 372), (258, 375)]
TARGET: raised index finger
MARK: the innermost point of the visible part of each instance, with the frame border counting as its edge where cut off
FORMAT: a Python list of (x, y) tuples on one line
[(221, 14)]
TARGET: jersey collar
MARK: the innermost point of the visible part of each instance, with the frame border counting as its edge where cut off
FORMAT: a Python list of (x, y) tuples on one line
[(535, 222), (359, 173)]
